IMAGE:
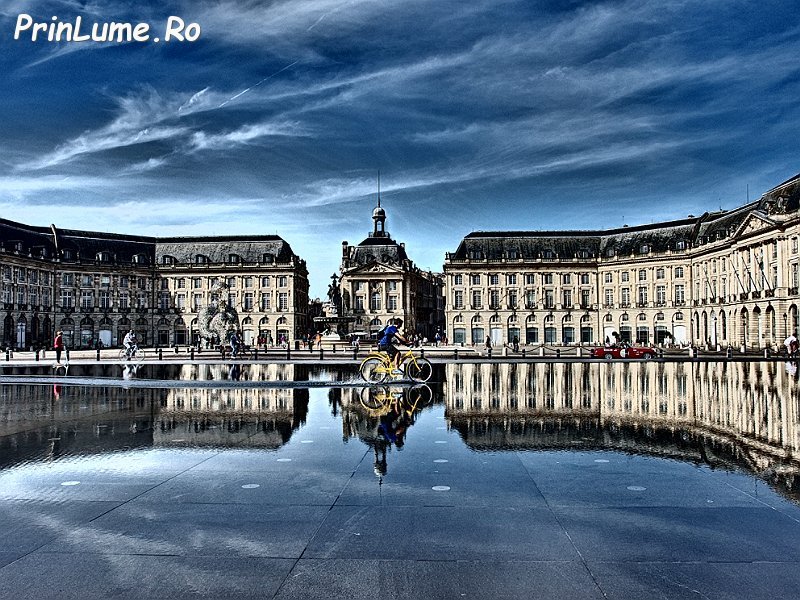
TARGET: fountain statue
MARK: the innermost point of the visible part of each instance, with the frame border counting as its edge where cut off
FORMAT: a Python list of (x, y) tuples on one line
[(216, 320), (334, 325)]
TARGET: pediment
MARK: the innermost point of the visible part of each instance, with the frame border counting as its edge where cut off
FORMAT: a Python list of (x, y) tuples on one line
[(754, 223), (374, 267)]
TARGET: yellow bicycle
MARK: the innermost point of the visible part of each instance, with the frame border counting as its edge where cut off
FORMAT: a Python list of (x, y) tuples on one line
[(380, 400), (377, 367)]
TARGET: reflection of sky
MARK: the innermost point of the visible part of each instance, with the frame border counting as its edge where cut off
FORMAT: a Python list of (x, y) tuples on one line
[(724, 415), (279, 118)]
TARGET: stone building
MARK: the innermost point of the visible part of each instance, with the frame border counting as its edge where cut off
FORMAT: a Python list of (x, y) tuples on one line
[(96, 286), (724, 278), (379, 282)]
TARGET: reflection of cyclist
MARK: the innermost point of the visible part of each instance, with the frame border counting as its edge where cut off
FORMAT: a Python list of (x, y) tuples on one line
[(386, 343), (130, 342)]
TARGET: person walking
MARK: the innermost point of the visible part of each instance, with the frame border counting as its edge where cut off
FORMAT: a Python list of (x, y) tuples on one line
[(58, 345)]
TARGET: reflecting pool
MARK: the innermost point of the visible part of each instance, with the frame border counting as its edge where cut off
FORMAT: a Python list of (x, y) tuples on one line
[(580, 480)]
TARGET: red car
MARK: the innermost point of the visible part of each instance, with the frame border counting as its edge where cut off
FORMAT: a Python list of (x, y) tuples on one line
[(624, 351)]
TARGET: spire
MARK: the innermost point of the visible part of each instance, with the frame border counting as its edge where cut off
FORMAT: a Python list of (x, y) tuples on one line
[(379, 216)]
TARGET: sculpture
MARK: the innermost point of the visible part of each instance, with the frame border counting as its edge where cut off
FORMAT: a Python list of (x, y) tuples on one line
[(217, 319)]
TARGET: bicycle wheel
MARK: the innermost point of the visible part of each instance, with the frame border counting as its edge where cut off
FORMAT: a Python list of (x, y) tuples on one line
[(419, 369), (123, 355), (373, 370), (141, 355), (375, 399)]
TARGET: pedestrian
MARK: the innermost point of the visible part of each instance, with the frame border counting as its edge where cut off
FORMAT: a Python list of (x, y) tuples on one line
[(791, 345), (235, 342), (58, 345), (516, 344), (488, 343)]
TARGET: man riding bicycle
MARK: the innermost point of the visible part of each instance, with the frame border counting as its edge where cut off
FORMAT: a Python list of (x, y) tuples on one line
[(386, 343), (130, 342)]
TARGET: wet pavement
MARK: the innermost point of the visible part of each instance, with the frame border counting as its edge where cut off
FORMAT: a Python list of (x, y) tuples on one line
[(557, 480)]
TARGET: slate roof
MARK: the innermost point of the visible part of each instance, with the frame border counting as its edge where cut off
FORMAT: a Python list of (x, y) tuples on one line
[(377, 248)]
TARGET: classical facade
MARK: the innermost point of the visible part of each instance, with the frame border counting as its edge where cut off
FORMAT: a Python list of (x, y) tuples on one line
[(380, 282), (728, 278), (96, 286)]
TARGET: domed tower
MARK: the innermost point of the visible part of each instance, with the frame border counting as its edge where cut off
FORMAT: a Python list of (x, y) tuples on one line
[(379, 221)]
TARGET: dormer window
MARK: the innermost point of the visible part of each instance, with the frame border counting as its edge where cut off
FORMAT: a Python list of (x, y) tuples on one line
[(234, 258), (168, 260), (610, 252), (680, 245), (644, 249), (512, 253), (66, 254), (548, 254), (583, 253), (103, 257), (200, 259), (140, 259)]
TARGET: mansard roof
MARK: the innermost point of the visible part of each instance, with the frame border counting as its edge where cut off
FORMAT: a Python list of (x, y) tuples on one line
[(377, 249), (249, 249), (121, 248)]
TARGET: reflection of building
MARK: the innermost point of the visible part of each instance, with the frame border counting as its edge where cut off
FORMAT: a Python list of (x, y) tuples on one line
[(741, 412), (729, 277), (97, 286), (379, 282)]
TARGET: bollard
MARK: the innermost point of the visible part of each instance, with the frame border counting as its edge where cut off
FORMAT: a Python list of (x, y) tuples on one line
[(489, 353), (766, 352), (455, 353), (255, 353), (160, 354), (37, 356), (8, 355), (355, 353), (729, 352), (660, 353), (422, 352), (176, 349), (288, 352), (191, 353), (558, 352), (297, 344), (523, 353), (98, 355), (321, 353), (334, 348)]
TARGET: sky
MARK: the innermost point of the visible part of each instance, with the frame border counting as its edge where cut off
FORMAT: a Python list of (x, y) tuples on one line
[(478, 114)]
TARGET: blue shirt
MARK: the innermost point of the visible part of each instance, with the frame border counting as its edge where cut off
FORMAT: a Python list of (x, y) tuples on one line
[(388, 335)]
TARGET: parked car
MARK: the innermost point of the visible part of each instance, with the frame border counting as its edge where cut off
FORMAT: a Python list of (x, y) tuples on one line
[(624, 351)]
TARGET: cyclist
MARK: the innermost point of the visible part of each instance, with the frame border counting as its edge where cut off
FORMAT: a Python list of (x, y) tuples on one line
[(385, 344), (130, 343)]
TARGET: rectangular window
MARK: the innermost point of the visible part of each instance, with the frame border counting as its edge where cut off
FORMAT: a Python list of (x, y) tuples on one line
[(231, 281), (163, 301), (265, 281), (283, 301), (625, 277), (105, 280), (67, 279), (679, 272), (248, 301), (609, 297), (625, 297), (180, 301), (494, 279), (66, 298), (642, 275), (566, 296), (123, 281), (530, 298), (680, 297), (197, 302), (181, 283), (458, 279), (265, 302), (642, 294), (359, 303), (123, 300), (475, 279), (584, 279), (391, 303), (458, 300), (7, 293), (477, 300), (391, 286), (547, 279), (549, 299), (585, 296), (566, 279), (283, 281), (512, 299), (46, 299), (87, 299), (197, 282), (529, 279), (105, 300), (608, 278), (511, 279), (494, 299), (165, 284), (87, 280)]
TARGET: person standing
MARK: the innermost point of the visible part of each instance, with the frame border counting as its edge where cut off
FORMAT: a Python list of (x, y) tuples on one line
[(235, 344), (58, 345), (791, 345)]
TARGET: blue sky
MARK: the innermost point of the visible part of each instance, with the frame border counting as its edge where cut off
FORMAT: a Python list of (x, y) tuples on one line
[(479, 115)]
